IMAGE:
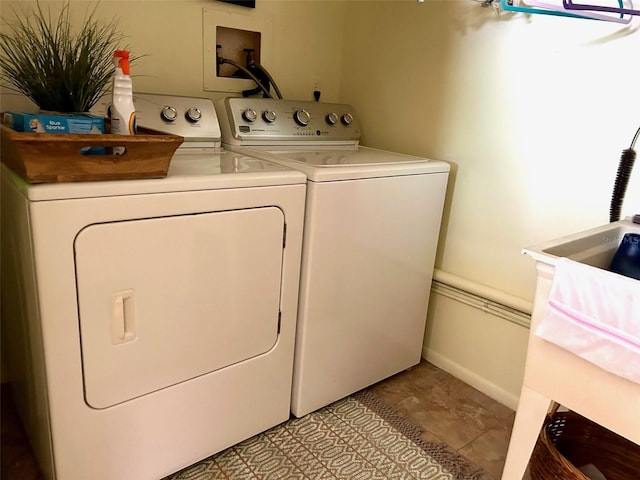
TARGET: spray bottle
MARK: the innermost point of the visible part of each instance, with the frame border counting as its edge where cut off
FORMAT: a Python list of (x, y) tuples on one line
[(123, 113)]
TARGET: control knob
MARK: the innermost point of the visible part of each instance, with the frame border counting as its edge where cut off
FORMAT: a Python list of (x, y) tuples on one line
[(269, 116), (302, 117), (193, 115), (332, 118), (169, 114), (249, 115), (347, 119)]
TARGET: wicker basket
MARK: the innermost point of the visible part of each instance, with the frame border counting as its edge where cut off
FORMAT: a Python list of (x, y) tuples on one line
[(568, 441), (49, 157)]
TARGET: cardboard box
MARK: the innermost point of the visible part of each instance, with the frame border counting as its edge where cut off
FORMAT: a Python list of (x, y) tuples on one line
[(76, 123), (54, 123)]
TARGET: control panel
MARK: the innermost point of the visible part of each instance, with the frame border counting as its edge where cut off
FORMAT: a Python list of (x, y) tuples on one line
[(264, 121), (193, 118)]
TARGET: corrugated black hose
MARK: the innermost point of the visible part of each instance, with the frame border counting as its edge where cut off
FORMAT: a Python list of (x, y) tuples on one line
[(622, 179)]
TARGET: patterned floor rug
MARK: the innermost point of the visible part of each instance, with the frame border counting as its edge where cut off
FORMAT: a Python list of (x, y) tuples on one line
[(356, 438)]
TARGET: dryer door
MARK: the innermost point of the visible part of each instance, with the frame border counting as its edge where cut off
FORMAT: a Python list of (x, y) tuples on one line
[(164, 300)]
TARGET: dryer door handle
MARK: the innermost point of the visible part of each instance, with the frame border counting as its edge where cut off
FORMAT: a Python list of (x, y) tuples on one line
[(123, 319)]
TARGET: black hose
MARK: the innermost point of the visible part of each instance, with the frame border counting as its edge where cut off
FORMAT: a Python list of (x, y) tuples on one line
[(268, 75), (222, 60), (625, 166)]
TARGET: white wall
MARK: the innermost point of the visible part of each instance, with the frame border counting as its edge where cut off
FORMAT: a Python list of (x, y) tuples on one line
[(306, 40), (532, 111)]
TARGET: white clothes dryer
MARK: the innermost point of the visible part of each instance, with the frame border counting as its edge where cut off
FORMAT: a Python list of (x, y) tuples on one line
[(151, 323), (371, 230)]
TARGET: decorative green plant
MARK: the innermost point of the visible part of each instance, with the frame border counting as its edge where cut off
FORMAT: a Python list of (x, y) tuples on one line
[(59, 69)]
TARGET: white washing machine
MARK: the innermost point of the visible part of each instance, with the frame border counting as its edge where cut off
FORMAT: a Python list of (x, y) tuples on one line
[(151, 323), (371, 229)]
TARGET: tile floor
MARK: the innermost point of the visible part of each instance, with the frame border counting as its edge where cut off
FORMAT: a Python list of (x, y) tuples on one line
[(452, 412), (449, 411)]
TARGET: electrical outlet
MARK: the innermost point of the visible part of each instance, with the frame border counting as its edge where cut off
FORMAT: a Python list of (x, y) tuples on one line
[(316, 88)]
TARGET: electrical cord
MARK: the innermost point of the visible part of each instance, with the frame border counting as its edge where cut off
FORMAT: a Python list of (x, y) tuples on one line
[(635, 139)]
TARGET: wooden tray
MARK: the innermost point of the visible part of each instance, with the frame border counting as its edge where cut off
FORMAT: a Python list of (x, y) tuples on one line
[(52, 157)]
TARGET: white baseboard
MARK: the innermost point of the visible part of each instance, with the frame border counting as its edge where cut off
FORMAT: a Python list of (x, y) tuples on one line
[(478, 340), (472, 378)]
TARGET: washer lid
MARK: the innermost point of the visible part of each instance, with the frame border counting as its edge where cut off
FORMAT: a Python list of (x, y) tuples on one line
[(329, 163), (203, 170)]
